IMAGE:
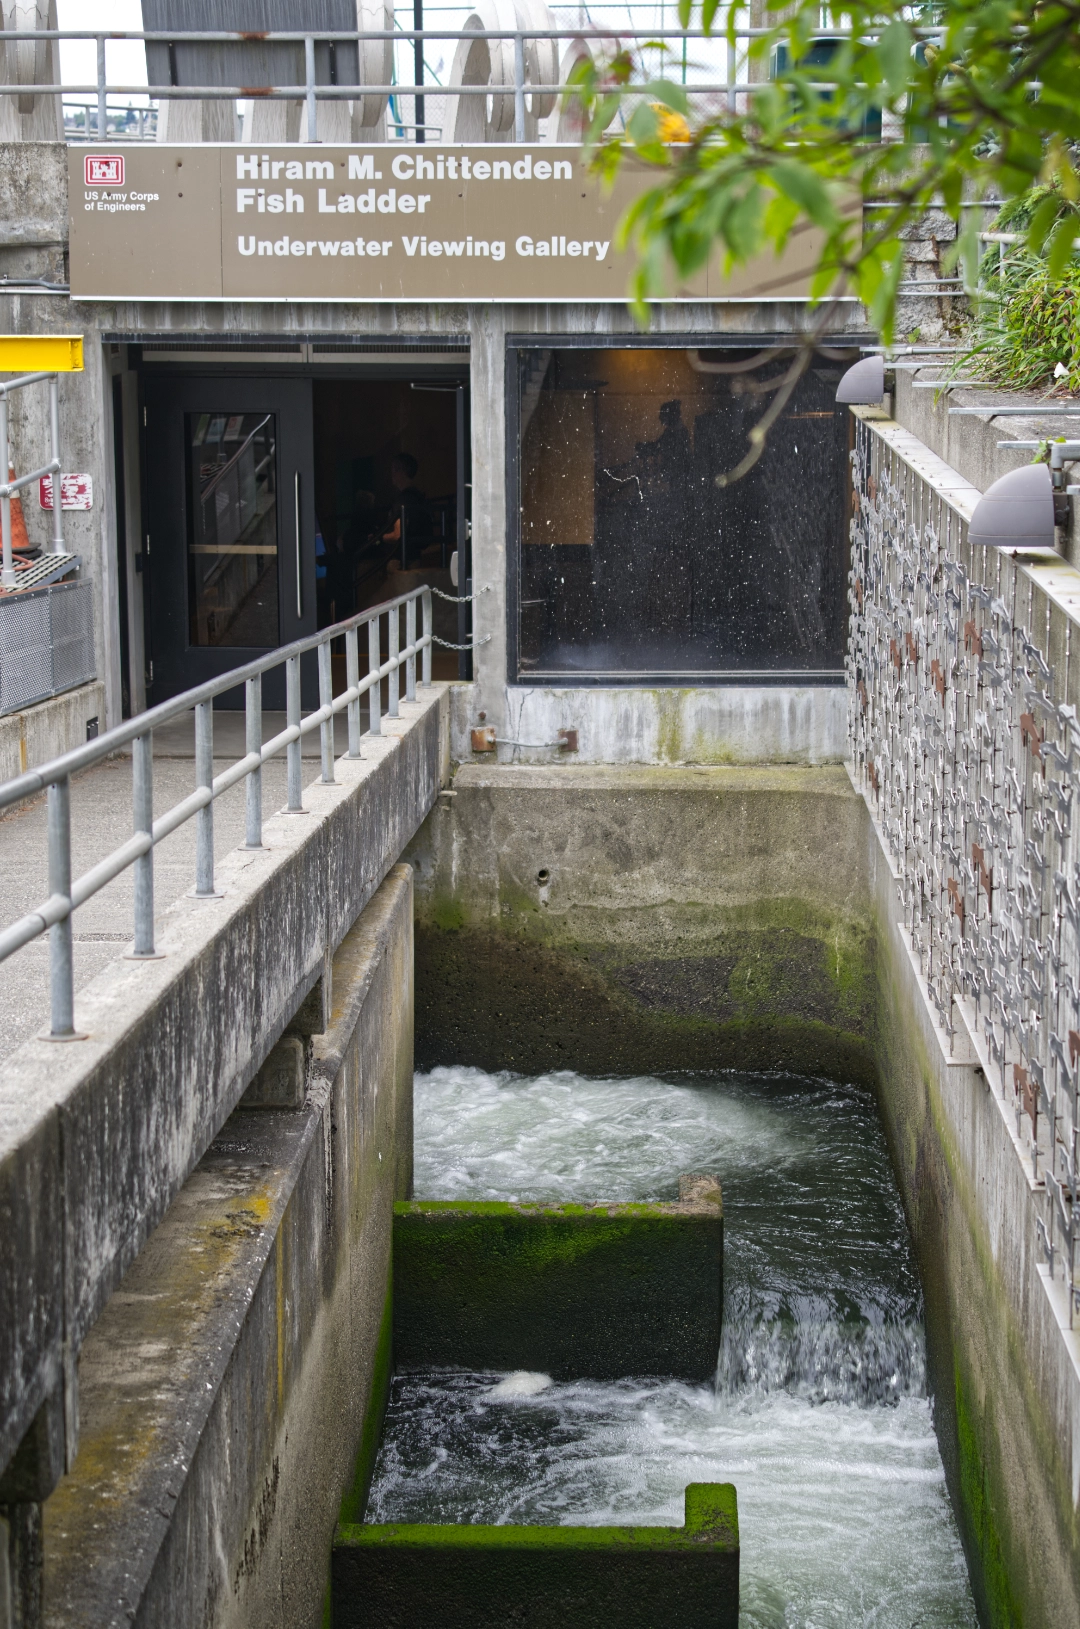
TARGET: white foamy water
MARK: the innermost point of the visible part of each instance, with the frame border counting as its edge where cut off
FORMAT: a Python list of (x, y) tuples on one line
[(819, 1415)]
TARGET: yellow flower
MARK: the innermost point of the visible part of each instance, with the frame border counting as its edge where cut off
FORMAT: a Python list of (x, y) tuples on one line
[(671, 127)]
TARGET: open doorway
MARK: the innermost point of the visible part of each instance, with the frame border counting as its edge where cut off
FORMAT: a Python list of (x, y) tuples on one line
[(389, 496)]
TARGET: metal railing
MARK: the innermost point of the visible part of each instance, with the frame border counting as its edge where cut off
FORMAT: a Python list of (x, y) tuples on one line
[(8, 489), (524, 80), (965, 745), (67, 894)]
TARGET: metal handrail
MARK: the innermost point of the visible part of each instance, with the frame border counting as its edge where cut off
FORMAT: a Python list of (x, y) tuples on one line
[(312, 93), (65, 895)]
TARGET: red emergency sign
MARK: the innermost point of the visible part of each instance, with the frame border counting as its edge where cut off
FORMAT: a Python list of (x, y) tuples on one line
[(76, 492)]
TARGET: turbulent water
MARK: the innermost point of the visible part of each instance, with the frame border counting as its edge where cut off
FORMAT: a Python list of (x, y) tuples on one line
[(819, 1414)]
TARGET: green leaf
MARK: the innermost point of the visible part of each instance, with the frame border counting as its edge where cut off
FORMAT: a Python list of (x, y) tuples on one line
[(672, 95), (643, 126), (1060, 247), (800, 183), (1041, 222)]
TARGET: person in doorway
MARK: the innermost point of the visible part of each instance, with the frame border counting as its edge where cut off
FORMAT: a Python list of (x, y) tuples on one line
[(410, 519)]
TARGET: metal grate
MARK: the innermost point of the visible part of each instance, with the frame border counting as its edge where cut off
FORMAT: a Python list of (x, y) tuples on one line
[(47, 568), (46, 643)]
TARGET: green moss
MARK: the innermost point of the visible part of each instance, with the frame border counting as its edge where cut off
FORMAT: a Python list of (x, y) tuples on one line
[(354, 1503), (1002, 1610), (778, 985), (571, 1290), (464, 1576), (447, 914), (712, 1513)]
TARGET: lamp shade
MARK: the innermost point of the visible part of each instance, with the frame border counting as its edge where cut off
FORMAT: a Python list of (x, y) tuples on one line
[(863, 385), (1017, 512)]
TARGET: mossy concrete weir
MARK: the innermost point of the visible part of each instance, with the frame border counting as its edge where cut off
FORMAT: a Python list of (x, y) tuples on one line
[(576, 1291), (402, 1576)]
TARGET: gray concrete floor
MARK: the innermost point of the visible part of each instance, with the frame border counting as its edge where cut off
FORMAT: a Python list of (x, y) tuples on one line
[(100, 820)]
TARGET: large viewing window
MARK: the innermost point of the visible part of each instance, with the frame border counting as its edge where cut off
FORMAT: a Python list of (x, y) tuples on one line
[(634, 565)]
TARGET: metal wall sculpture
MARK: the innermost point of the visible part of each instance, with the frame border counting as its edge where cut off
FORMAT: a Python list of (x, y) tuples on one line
[(964, 741)]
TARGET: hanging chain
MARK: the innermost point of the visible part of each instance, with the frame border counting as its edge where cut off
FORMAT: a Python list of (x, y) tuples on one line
[(461, 599)]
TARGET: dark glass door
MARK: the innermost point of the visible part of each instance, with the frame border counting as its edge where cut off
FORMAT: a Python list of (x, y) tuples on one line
[(231, 523)]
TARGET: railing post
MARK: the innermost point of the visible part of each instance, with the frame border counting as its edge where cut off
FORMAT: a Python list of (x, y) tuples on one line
[(393, 682), (294, 749), (102, 111), (142, 788), (7, 575), (61, 965), (309, 81), (410, 641), (253, 740), (58, 499), (426, 658), (326, 728), (374, 695), (352, 680), (519, 87), (204, 820)]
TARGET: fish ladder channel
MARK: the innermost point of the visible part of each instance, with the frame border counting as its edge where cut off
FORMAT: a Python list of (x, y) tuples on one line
[(819, 1412)]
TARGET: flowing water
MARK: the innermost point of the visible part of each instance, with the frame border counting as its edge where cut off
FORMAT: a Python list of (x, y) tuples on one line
[(819, 1414)]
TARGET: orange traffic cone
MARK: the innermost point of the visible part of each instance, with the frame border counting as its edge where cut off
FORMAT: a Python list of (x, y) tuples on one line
[(20, 543)]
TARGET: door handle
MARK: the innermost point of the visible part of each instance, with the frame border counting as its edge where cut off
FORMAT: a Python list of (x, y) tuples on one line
[(299, 577)]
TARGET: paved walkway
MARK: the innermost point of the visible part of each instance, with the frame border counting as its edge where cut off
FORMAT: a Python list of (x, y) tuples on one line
[(100, 819)]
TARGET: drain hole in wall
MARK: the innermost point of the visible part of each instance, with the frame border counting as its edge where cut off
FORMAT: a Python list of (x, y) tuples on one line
[(543, 876)]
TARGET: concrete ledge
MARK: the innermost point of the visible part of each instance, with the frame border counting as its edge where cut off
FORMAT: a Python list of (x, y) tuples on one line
[(708, 724), (98, 1136), (413, 1577), (576, 1291), (50, 728), (225, 1385)]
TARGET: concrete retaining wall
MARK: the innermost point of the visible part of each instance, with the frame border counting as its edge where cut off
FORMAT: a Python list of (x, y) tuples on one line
[(642, 920), (97, 1136), (53, 727), (225, 1384)]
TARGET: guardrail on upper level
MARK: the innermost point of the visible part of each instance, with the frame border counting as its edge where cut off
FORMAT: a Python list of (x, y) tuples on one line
[(519, 64), (65, 894), (965, 740)]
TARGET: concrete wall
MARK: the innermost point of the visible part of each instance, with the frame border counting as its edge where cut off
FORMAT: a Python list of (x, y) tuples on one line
[(225, 1384), (644, 919), (97, 1136)]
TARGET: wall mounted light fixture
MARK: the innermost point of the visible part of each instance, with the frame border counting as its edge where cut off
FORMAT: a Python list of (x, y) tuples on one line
[(863, 385), (1017, 511)]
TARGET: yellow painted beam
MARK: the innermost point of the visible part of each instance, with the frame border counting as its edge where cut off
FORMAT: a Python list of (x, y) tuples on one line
[(41, 353)]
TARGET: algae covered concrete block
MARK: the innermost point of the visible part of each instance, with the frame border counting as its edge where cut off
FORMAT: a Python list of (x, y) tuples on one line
[(576, 1291), (402, 1576)]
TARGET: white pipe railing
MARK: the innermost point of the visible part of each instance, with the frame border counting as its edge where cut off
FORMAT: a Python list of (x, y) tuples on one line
[(65, 895), (310, 92)]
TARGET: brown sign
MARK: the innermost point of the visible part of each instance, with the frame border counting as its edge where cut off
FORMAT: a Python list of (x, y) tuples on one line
[(371, 223)]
